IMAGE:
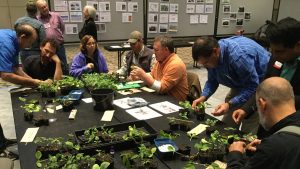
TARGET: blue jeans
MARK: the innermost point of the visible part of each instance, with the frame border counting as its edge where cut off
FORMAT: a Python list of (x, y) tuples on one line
[(61, 53)]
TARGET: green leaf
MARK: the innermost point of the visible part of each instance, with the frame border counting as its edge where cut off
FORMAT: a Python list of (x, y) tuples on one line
[(38, 164), (104, 165), (38, 155), (96, 166)]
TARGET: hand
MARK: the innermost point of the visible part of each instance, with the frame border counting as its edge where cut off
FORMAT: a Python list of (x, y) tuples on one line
[(49, 81), (252, 146), (55, 59), (137, 72), (132, 78), (237, 146), (221, 109), (238, 115), (198, 101), (90, 65)]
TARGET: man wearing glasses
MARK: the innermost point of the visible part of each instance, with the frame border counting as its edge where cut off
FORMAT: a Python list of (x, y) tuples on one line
[(140, 55)]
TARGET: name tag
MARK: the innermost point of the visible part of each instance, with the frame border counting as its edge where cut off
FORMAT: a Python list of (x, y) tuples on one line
[(277, 65), (47, 25)]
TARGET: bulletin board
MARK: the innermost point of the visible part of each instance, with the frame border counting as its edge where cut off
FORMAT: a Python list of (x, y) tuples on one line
[(289, 8), (113, 25), (162, 19), (248, 15)]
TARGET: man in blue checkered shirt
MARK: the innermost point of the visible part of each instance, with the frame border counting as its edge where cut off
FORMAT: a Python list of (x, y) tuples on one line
[(236, 62)]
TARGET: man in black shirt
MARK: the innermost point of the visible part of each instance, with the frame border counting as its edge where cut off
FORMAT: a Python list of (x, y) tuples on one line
[(47, 65)]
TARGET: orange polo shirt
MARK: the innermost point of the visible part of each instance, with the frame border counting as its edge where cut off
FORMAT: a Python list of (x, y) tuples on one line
[(172, 75)]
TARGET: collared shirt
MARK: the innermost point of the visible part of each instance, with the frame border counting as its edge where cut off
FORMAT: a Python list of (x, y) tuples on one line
[(289, 69), (9, 50), (171, 73), (54, 26), (34, 67), (38, 26), (242, 66)]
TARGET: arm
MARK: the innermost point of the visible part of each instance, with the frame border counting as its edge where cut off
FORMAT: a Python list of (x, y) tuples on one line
[(58, 71), (153, 61), (61, 24), (17, 79), (78, 67), (123, 70), (20, 72), (211, 85)]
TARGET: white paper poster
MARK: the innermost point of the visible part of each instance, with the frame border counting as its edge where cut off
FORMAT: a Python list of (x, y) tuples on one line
[(173, 27), (203, 18), (97, 17), (126, 17), (164, 7), (121, 6), (209, 8), (64, 16), (152, 17), (60, 5), (75, 6), (132, 6), (200, 8), (152, 28), (75, 16), (71, 28), (190, 8), (163, 28), (165, 107), (174, 8), (143, 113), (194, 19), (94, 4), (101, 27), (163, 18), (104, 6), (173, 18), (153, 7), (105, 17)]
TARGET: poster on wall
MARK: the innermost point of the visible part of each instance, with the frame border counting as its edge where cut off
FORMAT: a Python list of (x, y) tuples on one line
[(173, 18), (163, 18), (164, 7), (174, 8), (60, 5), (132, 6), (121, 6), (190, 8), (75, 6), (194, 19), (203, 19), (200, 8), (152, 28), (152, 17), (163, 28), (153, 7), (101, 27), (64, 16), (104, 6), (71, 28), (75, 16), (105, 17), (93, 4), (126, 17), (173, 27)]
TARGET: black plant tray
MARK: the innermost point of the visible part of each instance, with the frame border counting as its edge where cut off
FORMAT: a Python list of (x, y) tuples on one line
[(119, 130)]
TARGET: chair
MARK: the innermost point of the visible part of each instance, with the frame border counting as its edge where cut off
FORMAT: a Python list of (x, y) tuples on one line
[(194, 86)]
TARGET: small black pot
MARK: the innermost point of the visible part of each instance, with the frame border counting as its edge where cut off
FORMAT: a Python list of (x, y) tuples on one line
[(28, 116), (184, 127), (40, 121), (174, 127), (68, 107), (184, 149)]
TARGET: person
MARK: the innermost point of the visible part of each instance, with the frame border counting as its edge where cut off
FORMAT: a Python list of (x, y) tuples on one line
[(89, 60), (32, 20), (46, 65), (140, 55), (89, 27), (236, 62), (284, 39), (55, 29), (277, 114), (168, 74), (10, 42)]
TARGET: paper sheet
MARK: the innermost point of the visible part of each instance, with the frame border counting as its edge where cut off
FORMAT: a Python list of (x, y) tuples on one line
[(87, 100), (108, 115), (198, 129), (147, 89), (143, 113), (166, 107), (29, 135)]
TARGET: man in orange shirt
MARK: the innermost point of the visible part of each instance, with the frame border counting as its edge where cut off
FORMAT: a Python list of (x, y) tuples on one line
[(168, 74)]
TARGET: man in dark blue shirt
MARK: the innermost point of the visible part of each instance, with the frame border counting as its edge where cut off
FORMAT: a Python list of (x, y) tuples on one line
[(236, 62)]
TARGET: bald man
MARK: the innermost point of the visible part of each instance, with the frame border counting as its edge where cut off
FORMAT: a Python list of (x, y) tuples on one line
[(11, 42), (277, 114)]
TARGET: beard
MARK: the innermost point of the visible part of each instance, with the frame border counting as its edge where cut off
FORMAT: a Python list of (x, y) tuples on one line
[(263, 121)]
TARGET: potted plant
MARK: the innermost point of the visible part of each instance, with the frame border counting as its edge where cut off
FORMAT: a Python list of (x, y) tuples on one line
[(29, 108), (181, 124), (134, 134), (211, 149), (102, 88), (107, 134), (168, 134), (200, 110), (101, 157), (187, 108), (47, 89), (69, 83), (211, 126)]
